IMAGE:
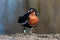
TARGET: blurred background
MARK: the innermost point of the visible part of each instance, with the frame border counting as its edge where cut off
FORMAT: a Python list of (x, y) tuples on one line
[(48, 12)]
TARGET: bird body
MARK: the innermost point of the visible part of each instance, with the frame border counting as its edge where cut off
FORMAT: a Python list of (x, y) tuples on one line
[(29, 20)]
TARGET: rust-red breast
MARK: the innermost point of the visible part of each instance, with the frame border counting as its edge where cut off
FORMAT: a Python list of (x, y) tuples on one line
[(33, 19)]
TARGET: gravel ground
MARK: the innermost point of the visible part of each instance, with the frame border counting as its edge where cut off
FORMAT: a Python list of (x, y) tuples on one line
[(21, 36)]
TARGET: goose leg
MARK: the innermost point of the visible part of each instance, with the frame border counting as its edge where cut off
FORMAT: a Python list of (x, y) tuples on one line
[(25, 31), (31, 30)]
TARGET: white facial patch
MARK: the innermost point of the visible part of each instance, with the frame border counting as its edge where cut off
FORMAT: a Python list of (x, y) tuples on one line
[(28, 11)]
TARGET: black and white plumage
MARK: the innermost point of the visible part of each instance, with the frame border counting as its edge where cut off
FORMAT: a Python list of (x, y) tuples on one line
[(23, 20)]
